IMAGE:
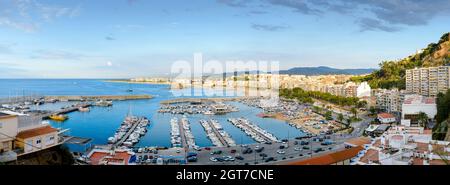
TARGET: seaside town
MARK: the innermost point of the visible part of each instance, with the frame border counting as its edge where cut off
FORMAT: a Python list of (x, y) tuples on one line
[(344, 122)]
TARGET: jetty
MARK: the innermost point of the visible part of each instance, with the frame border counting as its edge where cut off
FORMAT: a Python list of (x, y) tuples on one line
[(98, 97), (66, 110), (125, 137), (218, 135)]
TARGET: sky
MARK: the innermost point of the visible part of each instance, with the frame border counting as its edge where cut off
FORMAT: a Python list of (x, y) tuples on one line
[(132, 38)]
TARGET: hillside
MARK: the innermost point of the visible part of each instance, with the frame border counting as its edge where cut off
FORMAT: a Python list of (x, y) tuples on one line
[(392, 73), (323, 70)]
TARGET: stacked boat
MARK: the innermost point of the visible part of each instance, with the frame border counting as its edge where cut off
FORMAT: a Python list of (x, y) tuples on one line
[(175, 133), (252, 130)]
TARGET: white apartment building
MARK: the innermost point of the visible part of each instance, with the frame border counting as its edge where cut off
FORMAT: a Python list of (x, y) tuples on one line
[(414, 104), (389, 100), (428, 81)]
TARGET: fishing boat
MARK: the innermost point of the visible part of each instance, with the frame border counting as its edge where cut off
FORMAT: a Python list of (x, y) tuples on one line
[(58, 117)]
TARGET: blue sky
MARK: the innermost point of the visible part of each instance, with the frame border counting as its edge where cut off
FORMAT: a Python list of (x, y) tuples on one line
[(129, 38)]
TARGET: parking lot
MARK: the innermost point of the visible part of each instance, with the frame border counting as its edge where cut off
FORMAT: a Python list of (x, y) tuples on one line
[(270, 154)]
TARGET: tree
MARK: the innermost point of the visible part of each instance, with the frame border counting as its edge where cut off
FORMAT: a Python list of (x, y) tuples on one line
[(340, 117), (372, 110), (349, 121), (422, 118), (328, 115), (354, 112)]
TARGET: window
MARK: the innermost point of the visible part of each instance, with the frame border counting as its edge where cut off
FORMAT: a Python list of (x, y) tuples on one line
[(38, 141)]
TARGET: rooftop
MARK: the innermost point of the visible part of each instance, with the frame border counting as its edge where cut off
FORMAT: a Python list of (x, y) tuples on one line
[(417, 100), (385, 115), (359, 141), (331, 158), (36, 132)]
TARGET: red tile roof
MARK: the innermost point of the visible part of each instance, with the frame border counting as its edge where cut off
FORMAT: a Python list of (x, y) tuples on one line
[(370, 155), (331, 158), (385, 115), (359, 141), (36, 132), (117, 157)]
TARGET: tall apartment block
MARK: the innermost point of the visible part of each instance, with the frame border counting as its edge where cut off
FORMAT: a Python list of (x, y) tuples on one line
[(428, 81)]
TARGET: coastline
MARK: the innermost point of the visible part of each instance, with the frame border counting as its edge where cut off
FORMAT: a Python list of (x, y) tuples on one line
[(133, 82)]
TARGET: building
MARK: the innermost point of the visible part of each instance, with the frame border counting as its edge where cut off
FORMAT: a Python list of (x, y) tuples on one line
[(342, 157), (21, 134), (111, 157), (402, 145), (428, 81), (414, 104), (8, 131), (363, 90), (389, 100), (386, 118), (36, 139)]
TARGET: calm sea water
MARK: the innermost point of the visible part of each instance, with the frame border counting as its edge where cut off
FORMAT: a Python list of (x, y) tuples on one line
[(101, 123)]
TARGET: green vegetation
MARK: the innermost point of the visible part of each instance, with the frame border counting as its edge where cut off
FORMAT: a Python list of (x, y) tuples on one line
[(306, 97), (442, 116), (392, 73)]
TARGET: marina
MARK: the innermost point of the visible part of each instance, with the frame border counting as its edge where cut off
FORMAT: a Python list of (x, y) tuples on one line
[(198, 108), (258, 134)]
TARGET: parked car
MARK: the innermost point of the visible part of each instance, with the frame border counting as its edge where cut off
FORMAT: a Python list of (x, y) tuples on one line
[(239, 158), (259, 149), (281, 152), (269, 159)]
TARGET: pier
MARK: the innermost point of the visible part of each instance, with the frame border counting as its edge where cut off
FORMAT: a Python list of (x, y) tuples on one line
[(218, 135), (125, 137), (99, 97), (182, 135), (66, 110), (257, 133)]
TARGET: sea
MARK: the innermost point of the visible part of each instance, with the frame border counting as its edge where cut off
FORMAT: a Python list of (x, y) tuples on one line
[(102, 122)]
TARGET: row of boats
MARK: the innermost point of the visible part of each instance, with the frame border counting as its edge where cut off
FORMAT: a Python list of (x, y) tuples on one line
[(190, 139), (130, 131), (257, 133), (206, 109), (175, 137), (215, 132)]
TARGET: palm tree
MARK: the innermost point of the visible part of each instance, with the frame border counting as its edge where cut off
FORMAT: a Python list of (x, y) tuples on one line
[(422, 118)]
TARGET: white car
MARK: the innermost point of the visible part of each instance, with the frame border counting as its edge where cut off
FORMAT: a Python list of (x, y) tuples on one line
[(297, 149), (281, 152), (213, 159)]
